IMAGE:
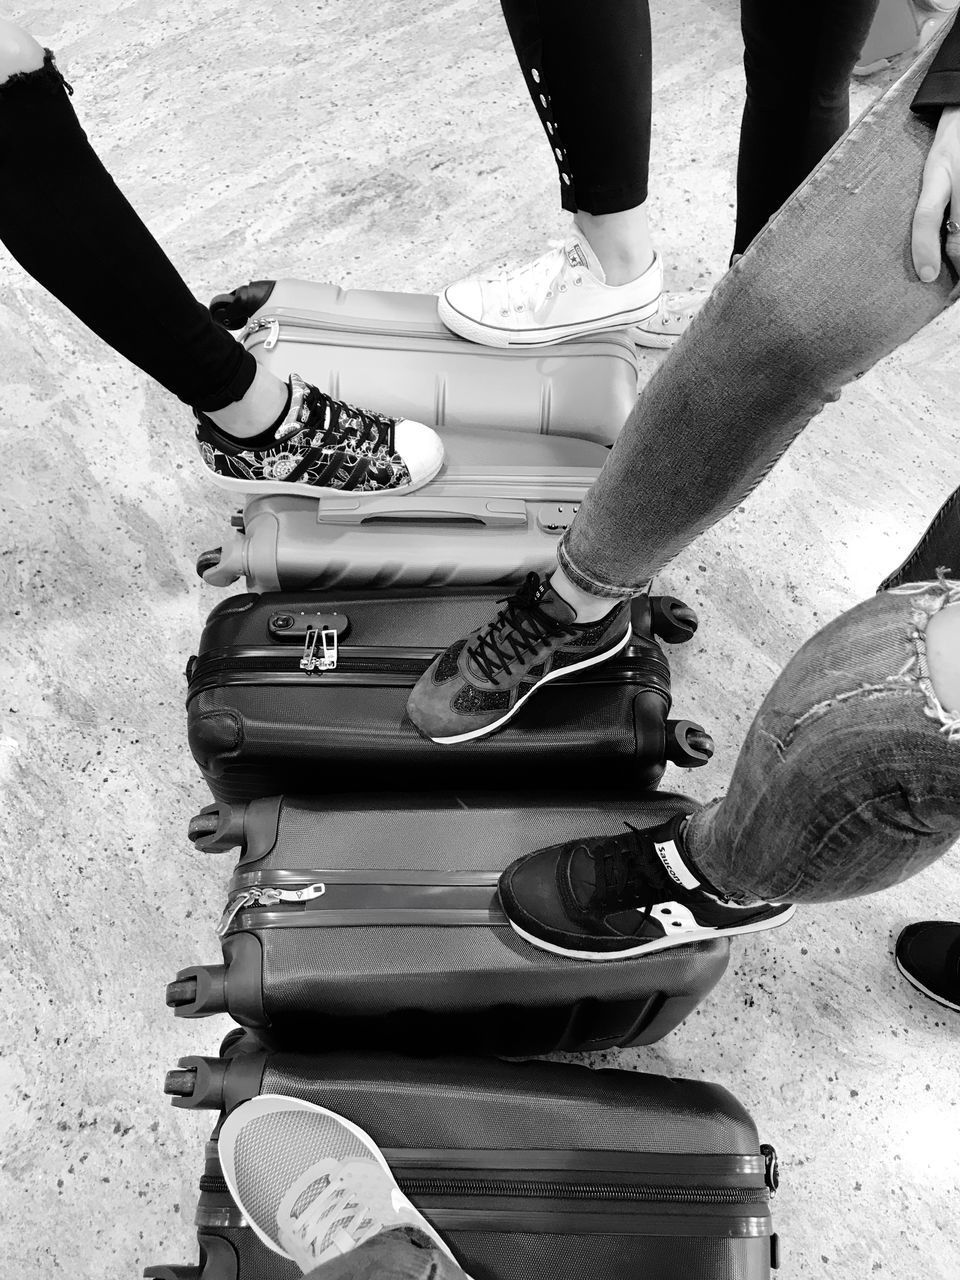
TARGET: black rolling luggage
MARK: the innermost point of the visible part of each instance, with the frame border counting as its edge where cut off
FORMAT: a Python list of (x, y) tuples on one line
[(374, 922), (306, 694), (530, 1171)]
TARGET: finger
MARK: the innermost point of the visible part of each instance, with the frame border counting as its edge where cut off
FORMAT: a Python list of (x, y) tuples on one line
[(928, 219)]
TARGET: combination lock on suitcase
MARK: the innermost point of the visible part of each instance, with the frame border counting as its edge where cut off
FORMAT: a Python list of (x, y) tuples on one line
[(376, 922), (531, 1171)]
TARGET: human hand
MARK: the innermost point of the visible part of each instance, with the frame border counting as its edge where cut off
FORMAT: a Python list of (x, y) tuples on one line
[(939, 196)]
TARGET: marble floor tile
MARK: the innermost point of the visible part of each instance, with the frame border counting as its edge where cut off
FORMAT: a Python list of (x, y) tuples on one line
[(392, 145)]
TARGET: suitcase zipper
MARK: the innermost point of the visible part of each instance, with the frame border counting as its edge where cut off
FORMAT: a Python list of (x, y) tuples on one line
[(505, 1189), (313, 325), (300, 666), (266, 896)]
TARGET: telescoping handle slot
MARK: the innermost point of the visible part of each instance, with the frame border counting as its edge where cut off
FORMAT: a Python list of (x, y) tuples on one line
[(494, 513)]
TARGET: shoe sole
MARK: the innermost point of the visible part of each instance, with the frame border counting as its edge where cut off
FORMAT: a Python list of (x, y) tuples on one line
[(947, 1004), (660, 944), (551, 675), (226, 1152), (491, 336), (654, 341), (315, 490)]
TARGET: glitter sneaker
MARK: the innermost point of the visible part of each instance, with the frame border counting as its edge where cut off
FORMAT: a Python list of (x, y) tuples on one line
[(322, 446), (617, 896), (482, 681), (558, 296), (311, 1184)]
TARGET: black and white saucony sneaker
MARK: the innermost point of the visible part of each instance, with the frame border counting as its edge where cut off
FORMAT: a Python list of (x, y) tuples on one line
[(614, 897), (324, 445)]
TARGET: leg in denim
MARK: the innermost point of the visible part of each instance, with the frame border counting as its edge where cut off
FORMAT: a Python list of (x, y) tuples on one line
[(849, 779), (402, 1253), (824, 292)]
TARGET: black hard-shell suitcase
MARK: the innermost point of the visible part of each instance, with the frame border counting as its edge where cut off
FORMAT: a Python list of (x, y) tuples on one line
[(375, 922), (306, 694), (530, 1171)]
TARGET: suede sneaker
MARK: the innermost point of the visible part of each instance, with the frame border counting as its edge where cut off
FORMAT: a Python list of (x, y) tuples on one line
[(614, 897), (322, 446), (928, 956), (561, 295), (482, 681), (311, 1184)]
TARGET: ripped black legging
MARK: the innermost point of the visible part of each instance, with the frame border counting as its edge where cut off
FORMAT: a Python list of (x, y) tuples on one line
[(587, 64), (67, 223)]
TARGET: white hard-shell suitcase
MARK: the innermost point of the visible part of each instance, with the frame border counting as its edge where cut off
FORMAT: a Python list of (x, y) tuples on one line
[(391, 352), (493, 514)]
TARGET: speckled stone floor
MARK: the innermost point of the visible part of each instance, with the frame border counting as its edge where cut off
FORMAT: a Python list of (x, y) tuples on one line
[(393, 146)]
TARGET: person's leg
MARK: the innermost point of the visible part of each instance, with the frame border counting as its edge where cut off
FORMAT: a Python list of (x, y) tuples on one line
[(849, 778), (588, 69), (402, 1253), (848, 782), (70, 227), (798, 63), (823, 293)]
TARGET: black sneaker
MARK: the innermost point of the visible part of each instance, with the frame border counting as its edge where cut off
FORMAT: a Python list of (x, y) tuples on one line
[(482, 681), (618, 896), (324, 446), (928, 956)]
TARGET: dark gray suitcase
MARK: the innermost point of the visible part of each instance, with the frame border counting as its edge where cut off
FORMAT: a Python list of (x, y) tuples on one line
[(530, 1171), (375, 922)]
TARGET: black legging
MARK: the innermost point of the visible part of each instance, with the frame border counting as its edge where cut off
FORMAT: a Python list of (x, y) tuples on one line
[(66, 222), (587, 64)]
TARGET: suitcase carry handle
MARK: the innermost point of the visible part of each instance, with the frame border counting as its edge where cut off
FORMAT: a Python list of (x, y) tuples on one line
[(495, 513)]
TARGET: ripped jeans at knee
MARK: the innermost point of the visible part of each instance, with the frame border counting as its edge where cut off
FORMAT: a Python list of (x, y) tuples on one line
[(849, 778)]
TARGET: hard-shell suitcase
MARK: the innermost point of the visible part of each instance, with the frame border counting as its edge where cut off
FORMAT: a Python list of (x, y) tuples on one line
[(391, 352), (901, 26), (493, 514), (530, 1171), (375, 922), (307, 694)]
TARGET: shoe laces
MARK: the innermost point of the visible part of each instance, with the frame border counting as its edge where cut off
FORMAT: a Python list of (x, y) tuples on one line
[(347, 427), (518, 631), (530, 286), (623, 875), (336, 1211)]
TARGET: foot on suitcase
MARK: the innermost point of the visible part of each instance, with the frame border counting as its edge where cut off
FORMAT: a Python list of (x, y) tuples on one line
[(323, 445), (310, 1184), (618, 896), (558, 296), (928, 956), (482, 681)]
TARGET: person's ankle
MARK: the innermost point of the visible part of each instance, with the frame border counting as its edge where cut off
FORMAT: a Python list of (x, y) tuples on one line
[(621, 242), (262, 408), (587, 607)]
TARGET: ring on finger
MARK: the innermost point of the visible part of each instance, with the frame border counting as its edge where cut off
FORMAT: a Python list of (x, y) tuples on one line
[(952, 227)]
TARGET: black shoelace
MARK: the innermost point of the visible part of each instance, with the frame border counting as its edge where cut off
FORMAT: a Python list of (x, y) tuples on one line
[(362, 430), (517, 631), (623, 878)]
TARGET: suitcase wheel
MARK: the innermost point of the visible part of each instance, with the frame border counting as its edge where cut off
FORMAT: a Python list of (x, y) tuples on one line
[(233, 310), (180, 1083), (688, 744), (671, 619), (198, 992), (208, 560)]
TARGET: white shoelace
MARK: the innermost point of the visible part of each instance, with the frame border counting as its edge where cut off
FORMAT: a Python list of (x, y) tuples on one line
[(530, 286), (335, 1221)]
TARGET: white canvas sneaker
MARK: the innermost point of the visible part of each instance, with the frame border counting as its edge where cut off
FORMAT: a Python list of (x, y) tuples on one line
[(666, 325), (558, 296)]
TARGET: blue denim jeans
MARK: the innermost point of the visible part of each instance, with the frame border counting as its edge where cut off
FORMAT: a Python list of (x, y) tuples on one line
[(849, 778), (400, 1254), (824, 291)]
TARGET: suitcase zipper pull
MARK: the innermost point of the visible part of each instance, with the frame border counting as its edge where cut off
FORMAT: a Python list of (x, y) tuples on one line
[(326, 660), (266, 897), (264, 323)]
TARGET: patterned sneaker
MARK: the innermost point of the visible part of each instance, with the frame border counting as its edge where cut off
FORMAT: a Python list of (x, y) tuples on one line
[(928, 956), (481, 682), (310, 1184), (561, 295), (323, 445), (619, 896)]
